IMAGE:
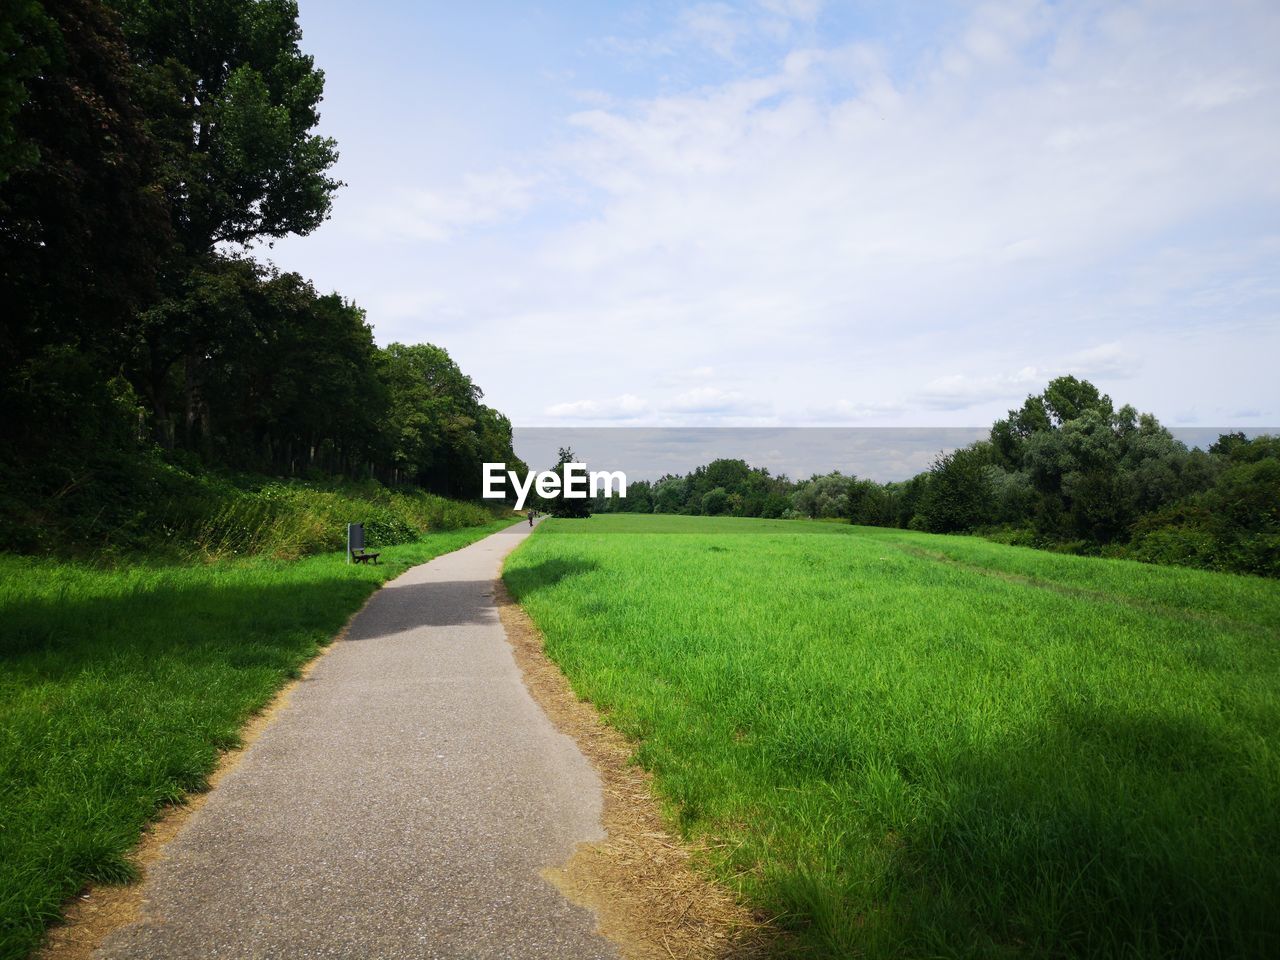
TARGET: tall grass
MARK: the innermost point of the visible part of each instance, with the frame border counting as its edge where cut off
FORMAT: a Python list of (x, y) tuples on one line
[(119, 686), (287, 520), (907, 745), (131, 509)]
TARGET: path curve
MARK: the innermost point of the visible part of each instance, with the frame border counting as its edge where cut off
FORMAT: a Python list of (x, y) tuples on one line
[(401, 804)]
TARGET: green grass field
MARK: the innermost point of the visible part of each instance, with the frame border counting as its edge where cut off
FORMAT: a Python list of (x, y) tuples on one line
[(119, 687), (905, 745)]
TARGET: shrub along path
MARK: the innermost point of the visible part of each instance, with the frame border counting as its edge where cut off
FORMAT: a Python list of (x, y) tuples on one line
[(401, 804)]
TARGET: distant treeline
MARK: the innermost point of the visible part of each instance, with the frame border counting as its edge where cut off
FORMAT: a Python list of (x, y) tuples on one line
[(1066, 471), (144, 146)]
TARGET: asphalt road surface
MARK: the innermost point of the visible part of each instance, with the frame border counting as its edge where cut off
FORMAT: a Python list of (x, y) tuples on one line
[(401, 805)]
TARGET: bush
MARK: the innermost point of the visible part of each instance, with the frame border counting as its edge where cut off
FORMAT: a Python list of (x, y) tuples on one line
[(822, 497), (125, 508), (715, 502), (1234, 526), (959, 494)]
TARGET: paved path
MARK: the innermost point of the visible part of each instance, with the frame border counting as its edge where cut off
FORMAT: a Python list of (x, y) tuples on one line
[(401, 805)]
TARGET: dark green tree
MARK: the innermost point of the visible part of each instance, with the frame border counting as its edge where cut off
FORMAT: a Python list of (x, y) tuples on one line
[(559, 505), (869, 503), (823, 497), (639, 498), (81, 230), (26, 36), (233, 102), (438, 433), (715, 502), (669, 494), (433, 407), (1232, 525), (298, 387), (959, 495)]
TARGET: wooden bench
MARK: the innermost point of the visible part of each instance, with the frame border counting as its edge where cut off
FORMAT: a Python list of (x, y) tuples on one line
[(361, 555)]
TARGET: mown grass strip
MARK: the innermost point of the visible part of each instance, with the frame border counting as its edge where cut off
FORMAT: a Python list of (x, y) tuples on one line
[(906, 757), (119, 688)]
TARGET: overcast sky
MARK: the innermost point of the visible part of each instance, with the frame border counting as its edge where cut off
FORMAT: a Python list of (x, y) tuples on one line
[(789, 212)]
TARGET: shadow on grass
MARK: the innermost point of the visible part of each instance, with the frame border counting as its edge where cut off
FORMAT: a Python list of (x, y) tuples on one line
[(118, 689), (1105, 833), (525, 580), (112, 706), (68, 633)]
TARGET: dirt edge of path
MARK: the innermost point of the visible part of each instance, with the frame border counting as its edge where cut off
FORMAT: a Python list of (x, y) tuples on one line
[(98, 910), (640, 880)]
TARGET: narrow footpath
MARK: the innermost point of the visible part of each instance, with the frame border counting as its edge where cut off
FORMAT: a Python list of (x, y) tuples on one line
[(402, 804)]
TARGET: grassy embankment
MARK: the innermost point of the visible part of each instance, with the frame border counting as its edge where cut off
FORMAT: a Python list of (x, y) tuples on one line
[(120, 684), (154, 509), (914, 745)]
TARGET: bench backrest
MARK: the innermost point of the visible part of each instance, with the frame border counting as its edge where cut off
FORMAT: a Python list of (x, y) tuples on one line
[(355, 539)]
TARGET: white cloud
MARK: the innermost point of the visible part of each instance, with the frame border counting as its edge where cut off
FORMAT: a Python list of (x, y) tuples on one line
[(831, 195), (714, 25), (720, 28), (685, 408), (960, 391), (1105, 360), (437, 215), (626, 407), (776, 173), (851, 412), (711, 400), (871, 229), (806, 10)]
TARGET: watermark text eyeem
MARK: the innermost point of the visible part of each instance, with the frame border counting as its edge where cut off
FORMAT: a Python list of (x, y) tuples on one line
[(578, 483)]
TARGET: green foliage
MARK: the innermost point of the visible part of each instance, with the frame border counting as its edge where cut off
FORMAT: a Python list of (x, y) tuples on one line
[(81, 228), (167, 133), (908, 745), (959, 494), (775, 505), (231, 101), (822, 497), (1069, 472), (1066, 399), (1234, 525), (1066, 472), (559, 505), (267, 372), (748, 492), (25, 32), (1012, 495), (437, 432), (131, 509), (162, 129), (1095, 469), (639, 499), (870, 504), (715, 502), (669, 495)]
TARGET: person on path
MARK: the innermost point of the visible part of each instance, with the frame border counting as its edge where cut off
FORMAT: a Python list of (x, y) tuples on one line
[(531, 512)]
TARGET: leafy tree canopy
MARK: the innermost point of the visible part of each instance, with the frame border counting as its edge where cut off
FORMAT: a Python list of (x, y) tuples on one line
[(232, 101), (81, 229)]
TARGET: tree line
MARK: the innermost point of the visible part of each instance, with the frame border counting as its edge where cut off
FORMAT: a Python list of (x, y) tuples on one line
[(146, 146), (1068, 470)]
